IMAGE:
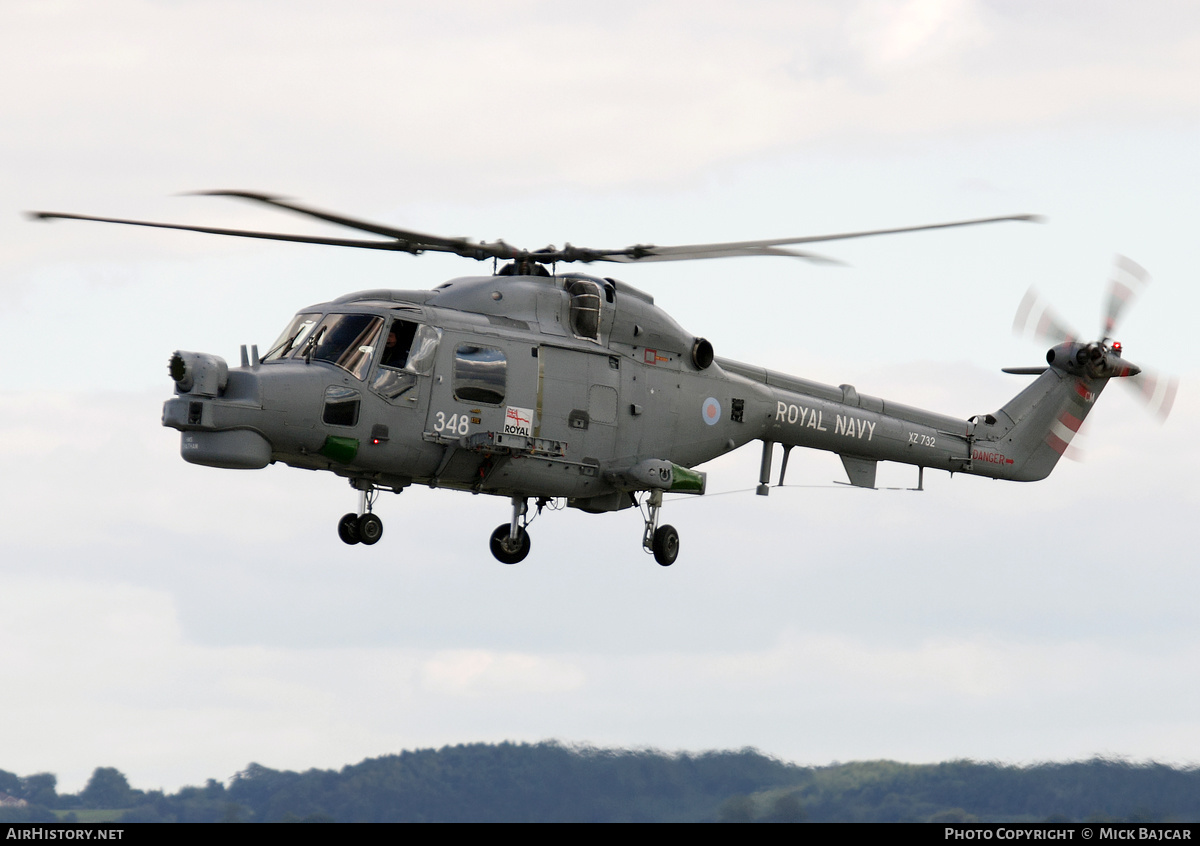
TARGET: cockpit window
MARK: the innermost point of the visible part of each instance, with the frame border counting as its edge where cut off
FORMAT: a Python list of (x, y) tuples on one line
[(408, 352), (293, 336), (424, 349), (341, 406), (397, 344), (346, 340)]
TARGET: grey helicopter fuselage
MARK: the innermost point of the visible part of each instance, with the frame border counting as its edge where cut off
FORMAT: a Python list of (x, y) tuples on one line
[(567, 386), (535, 386)]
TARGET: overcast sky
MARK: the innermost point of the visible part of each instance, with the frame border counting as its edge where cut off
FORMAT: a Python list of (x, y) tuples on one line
[(179, 622)]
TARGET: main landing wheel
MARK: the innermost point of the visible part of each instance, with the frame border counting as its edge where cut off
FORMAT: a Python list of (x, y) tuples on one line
[(348, 529), (666, 545), (505, 550), (370, 529)]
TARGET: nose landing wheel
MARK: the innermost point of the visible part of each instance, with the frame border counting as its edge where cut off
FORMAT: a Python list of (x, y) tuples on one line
[(370, 529), (348, 529), (365, 528)]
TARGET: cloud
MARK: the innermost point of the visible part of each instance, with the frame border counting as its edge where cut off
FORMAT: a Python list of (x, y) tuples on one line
[(464, 99), (477, 673)]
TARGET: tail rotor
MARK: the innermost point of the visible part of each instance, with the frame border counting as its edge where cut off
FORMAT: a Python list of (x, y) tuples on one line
[(1156, 392), (1128, 280), (1036, 319)]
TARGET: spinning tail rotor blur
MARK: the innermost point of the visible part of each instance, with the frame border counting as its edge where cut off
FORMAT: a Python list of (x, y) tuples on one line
[(1035, 319)]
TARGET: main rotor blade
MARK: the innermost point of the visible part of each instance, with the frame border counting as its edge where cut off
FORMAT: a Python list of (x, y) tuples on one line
[(404, 240), (1128, 280), (451, 244), (400, 246), (770, 246), (1035, 319), (701, 251), (812, 239)]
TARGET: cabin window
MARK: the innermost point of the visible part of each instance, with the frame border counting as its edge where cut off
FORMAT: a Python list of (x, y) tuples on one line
[(341, 406), (480, 374)]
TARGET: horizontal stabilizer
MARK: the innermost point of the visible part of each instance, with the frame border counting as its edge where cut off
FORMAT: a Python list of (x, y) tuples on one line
[(1025, 371), (860, 471)]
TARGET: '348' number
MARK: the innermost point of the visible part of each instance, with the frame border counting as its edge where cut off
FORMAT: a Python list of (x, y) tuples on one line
[(455, 424)]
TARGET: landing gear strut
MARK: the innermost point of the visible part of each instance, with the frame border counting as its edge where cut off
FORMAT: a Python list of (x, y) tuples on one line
[(663, 541), (363, 527), (510, 542)]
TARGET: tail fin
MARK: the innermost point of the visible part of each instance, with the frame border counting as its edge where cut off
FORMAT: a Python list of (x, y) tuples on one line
[(1033, 430)]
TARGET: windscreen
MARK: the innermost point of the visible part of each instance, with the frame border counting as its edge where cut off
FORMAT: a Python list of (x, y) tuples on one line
[(344, 340), (293, 336)]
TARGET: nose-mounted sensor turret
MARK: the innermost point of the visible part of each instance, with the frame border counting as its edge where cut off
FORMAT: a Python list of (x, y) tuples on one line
[(198, 374)]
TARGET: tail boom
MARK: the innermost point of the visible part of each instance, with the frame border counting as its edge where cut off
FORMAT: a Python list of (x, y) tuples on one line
[(1020, 442)]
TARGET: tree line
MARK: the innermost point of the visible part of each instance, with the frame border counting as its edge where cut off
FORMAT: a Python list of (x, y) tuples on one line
[(545, 782)]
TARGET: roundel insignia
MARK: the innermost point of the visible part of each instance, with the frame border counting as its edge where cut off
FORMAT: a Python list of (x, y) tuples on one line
[(711, 411)]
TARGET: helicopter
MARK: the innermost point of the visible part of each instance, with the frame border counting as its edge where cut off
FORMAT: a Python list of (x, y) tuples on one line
[(538, 383)]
